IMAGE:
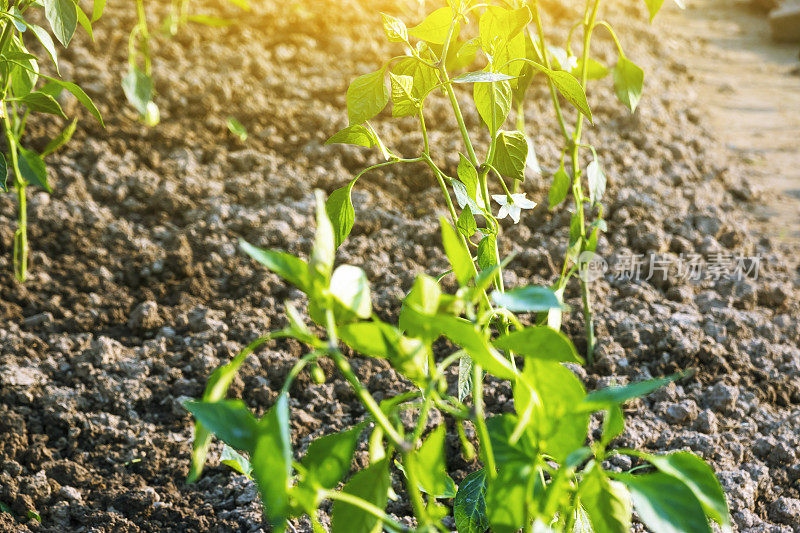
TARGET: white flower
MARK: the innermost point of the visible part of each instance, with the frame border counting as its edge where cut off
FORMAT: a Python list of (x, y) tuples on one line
[(514, 208), (572, 63)]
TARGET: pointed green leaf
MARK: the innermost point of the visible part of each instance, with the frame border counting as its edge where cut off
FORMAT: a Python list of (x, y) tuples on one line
[(230, 420), (620, 394), (665, 504), (349, 285), (608, 503), (526, 299), (653, 6), (357, 134), (61, 139), (493, 115), (371, 484), (43, 103), (511, 154), (271, 459), (700, 479), (458, 255), (628, 82), (540, 342), (328, 458), (341, 212), (469, 507), (430, 468), (395, 29), (466, 223), (236, 461), (498, 23), (560, 187), (367, 95), (292, 269), (436, 26), (33, 169), (403, 102), (63, 18), (47, 43), (320, 265), (481, 76)]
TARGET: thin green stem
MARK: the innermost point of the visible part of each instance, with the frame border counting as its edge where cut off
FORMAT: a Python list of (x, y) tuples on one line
[(363, 394), (377, 512), (546, 60), (20, 254), (480, 423)]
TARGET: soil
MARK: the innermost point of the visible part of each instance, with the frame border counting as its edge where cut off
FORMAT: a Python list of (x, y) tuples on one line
[(138, 290)]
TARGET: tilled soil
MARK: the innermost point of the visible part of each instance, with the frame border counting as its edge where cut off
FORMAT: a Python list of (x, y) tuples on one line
[(138, 290)]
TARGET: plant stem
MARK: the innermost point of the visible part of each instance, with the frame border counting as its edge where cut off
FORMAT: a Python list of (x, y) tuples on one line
[(588, 319), (546, 59), (363, 394), (480, 423), (366, 506), (20, 255)]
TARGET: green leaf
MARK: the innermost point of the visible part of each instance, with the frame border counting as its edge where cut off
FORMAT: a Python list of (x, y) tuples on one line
[(47, 43), (272, 461), (61, 139), (63, 18), (138, 89), (469, 507), (211, 21), (700, 479), (526, 299), (98, 7), (547, 396), (481, 76), (328, 458), (506, 498), (403, 102), (371, 484), (493, 115), (341, 212), (600, 399), (424, 295), (469, 177), (597, 181), (511, 154), (464, 370), (237, 128), (466, 223), (570, 88), (292, 269), (653, 6), (395, 29), (43, 103), (596, 70), (350, 286), (82, 97), (613, 424), (665, 504), (236, 461), (497, 24), (84, 21), (436, 26), (367, 95), (486, 257), (33, 169), (428, 464), (357, 134), (463, 333), (425, 78), (560, 186), (628, 82), (378, 339), (230, 420), (323, 252), (608, 503), (540, 342), (459, 257), (3, 173)]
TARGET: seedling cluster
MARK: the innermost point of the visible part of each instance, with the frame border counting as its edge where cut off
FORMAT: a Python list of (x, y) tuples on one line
[(540, 471)]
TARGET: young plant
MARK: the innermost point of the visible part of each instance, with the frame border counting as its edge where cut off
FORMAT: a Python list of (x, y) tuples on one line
[(138, 82), (538, 474), (25, 90)]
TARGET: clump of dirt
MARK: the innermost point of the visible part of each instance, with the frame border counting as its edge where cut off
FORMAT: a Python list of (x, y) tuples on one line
[(139, 291)]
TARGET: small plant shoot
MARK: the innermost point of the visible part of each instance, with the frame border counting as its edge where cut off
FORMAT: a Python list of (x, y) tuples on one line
[(26, 90)]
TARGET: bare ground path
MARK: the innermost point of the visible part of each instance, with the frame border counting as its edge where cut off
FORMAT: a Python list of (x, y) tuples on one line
[(750, 89)]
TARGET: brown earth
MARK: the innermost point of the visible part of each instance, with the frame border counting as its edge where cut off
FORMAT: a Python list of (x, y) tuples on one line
[(138, 290)]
